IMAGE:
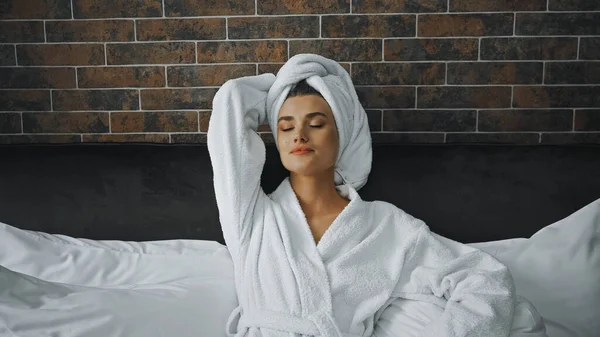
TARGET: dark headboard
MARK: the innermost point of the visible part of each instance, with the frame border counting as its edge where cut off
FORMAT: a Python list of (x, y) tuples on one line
[(141, 192)]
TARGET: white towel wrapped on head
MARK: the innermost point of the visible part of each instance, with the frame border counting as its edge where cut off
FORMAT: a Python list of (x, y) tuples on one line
[(331, 80)]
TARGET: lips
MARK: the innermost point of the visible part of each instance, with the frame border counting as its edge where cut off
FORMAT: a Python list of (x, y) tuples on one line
[(301, 150)]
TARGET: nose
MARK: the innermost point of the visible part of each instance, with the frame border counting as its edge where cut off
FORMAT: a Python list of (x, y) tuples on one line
[(300, 135)]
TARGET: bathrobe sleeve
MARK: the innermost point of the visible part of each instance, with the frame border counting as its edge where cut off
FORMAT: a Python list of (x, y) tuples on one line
[(476, 291), (237, 153)]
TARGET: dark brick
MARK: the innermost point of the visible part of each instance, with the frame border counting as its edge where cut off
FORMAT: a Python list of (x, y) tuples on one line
[(368, 25), (340, 50), (65, 122), (399, 6), (121, 77), (525, 120), (529, 48), (273, 68), (21, 31), (10, 123), (87, 9), (119, 138), (151, 53), (494, 138), (117, 99), (398, 73), (242, 51), (174, 99), (572, 73), (463, 97), (386, 97), (557, 24), (60, 54), (24, 100), (40, 139), (189, 138), (431, 49), (556, 96), (267, 137), (273, 7), (89, 30), (180, 29), (204, 120), (571, 138), (7, 55), (429, 120), (154, 121), (35, 9), (22, 77), (407, 138), (495, 72), (208, 7), (207, 75), (465, 24), (497, 5), (590, 48), (374, 118), (573, 5), (273, 27), (587, 120)]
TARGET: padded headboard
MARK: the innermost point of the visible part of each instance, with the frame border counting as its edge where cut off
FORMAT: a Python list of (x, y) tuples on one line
[(140, 192)]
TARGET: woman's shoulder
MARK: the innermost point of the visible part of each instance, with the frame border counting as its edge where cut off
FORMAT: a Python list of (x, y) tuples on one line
[(392, 215)]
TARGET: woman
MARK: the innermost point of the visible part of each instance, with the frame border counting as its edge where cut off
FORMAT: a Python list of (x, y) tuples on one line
[(312, 258)]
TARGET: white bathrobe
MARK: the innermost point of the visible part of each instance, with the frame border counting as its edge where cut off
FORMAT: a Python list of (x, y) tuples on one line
[(371, 254)]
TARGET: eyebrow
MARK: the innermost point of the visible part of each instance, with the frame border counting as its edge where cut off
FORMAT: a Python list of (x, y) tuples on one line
[(310, 115)]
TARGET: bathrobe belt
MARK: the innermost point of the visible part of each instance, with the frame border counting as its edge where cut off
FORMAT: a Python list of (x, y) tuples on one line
[(321, 324)]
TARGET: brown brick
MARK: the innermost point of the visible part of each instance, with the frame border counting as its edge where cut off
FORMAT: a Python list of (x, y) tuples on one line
[(525, 120), (174, 99), (573, 5), (556, 96), (68, 100), (207, 8), (586, 120), (571, 138), (273, 27), (119, 138), (374, 119), (572, 73), (494, 138), (368, 25), (180, 29), (21, 31), (557, 24), (89, 30), (407, 138), (24, 100), (465, 24), (242, 51), (399, 6), (37, 77), (121, 77), (151, 53), (463, 97), (340, 50), (35, 9), (273, 68), (431, 49), (154, 121), (398, 73), (188, 138), (495, 72), (267, 137), (386, 97), (590, 48), (65, 122), (87, 9), (273, 7), (204, 120), (207, 75), (7, 55), (497, 5), (10, 122), (429, 120), (40, 139), (529, 48), (60, 54)]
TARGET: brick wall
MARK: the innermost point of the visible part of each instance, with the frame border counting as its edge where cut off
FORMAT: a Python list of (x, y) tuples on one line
[(427, 71)]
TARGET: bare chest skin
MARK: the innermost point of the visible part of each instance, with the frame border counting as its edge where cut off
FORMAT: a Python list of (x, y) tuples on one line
[(320, 223)]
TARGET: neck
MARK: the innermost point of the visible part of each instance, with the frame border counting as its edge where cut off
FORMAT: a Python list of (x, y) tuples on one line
[(316, 193)]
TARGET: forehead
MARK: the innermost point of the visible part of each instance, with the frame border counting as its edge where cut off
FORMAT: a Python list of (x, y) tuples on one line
[(299, 106)]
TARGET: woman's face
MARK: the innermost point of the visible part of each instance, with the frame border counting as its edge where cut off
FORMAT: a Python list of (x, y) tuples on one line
[(307, 136)]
